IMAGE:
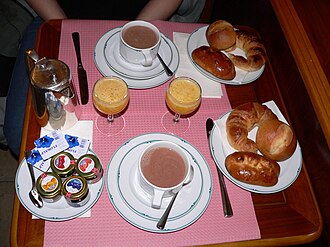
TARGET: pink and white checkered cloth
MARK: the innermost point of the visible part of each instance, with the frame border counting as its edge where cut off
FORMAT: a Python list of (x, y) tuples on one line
[(106, 227)]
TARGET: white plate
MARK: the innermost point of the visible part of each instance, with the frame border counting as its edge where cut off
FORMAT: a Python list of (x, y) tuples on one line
[(117, 63), (198, 38), (105, 70), (220, 148), (56, 211), (134, 204)]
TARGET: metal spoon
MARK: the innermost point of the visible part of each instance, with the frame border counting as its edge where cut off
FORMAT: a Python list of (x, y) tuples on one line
[(33, 194), (166, 68), (161, 223)]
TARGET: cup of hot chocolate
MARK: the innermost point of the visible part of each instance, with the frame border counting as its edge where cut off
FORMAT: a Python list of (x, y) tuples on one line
[(163, 167), (139, 42)]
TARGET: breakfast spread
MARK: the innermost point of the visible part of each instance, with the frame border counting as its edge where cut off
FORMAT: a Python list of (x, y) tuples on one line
[(216, 57), (274, 139), (124, 189)]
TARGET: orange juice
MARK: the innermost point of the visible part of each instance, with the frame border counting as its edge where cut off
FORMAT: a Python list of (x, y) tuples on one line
[(183, 95), (110, 95)]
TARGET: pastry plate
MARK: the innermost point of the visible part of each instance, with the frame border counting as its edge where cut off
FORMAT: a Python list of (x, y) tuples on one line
[(290, 168), (198, 38), (134, 204), (106, 70), (134, 71), (56, 211)]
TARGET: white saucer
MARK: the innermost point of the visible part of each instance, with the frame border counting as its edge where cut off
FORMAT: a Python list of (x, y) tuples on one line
[(117, 63), (106, 70), (56, 211), (198, 38), (134, 204), (290, 168)]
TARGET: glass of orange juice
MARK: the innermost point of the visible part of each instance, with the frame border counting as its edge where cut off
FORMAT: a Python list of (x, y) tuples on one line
[(110, 97), (183, 96)]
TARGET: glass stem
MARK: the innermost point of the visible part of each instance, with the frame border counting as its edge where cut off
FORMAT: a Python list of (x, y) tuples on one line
[(176, 118), (110, 118)]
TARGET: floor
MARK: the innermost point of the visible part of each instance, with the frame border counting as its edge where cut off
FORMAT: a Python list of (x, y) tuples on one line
[(8, 166)]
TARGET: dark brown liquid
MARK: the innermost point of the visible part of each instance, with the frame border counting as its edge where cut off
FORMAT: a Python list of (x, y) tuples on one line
[(140, 37), (163, 167)]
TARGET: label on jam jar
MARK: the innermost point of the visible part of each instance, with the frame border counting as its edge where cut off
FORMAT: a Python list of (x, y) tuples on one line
[(49, 183), (90, 168), (86, 165), (73, 186), (62, 162)]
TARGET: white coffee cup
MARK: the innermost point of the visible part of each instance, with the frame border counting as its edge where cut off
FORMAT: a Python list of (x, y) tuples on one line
[(170, 167), (139, 42)]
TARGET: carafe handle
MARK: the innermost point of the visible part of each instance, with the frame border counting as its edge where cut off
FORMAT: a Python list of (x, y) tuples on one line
[(31, 58)]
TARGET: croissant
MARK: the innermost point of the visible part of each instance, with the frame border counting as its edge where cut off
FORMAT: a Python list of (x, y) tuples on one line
[(243, 119), (254, 50)]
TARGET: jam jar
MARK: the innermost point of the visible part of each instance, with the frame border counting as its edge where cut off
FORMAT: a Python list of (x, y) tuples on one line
[(49, 186), (75, 190), (63, 164), (89, 167)]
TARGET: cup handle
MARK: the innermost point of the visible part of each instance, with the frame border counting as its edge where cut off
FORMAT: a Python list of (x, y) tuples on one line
[(147, 58), (157, 198)]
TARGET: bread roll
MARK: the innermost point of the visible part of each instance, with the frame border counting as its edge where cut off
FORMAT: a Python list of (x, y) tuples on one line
[(243, 119), (253, 168), (254, 50), (215, 62), (276, 140), (221, 35)]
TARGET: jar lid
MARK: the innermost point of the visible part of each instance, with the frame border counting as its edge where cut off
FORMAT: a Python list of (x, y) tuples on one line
[(75, 187), (49, 185), (63, 164), (89, 166)]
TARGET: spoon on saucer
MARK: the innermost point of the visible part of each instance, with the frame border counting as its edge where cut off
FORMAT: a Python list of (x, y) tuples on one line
[(161, 223), (166, 68), (33, 194)]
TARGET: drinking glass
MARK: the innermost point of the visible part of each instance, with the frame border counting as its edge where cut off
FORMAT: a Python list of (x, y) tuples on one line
[(183, 96), (110, 97)]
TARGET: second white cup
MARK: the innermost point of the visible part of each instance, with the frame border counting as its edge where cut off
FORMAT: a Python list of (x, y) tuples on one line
[(139, 42), (163, 168)]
